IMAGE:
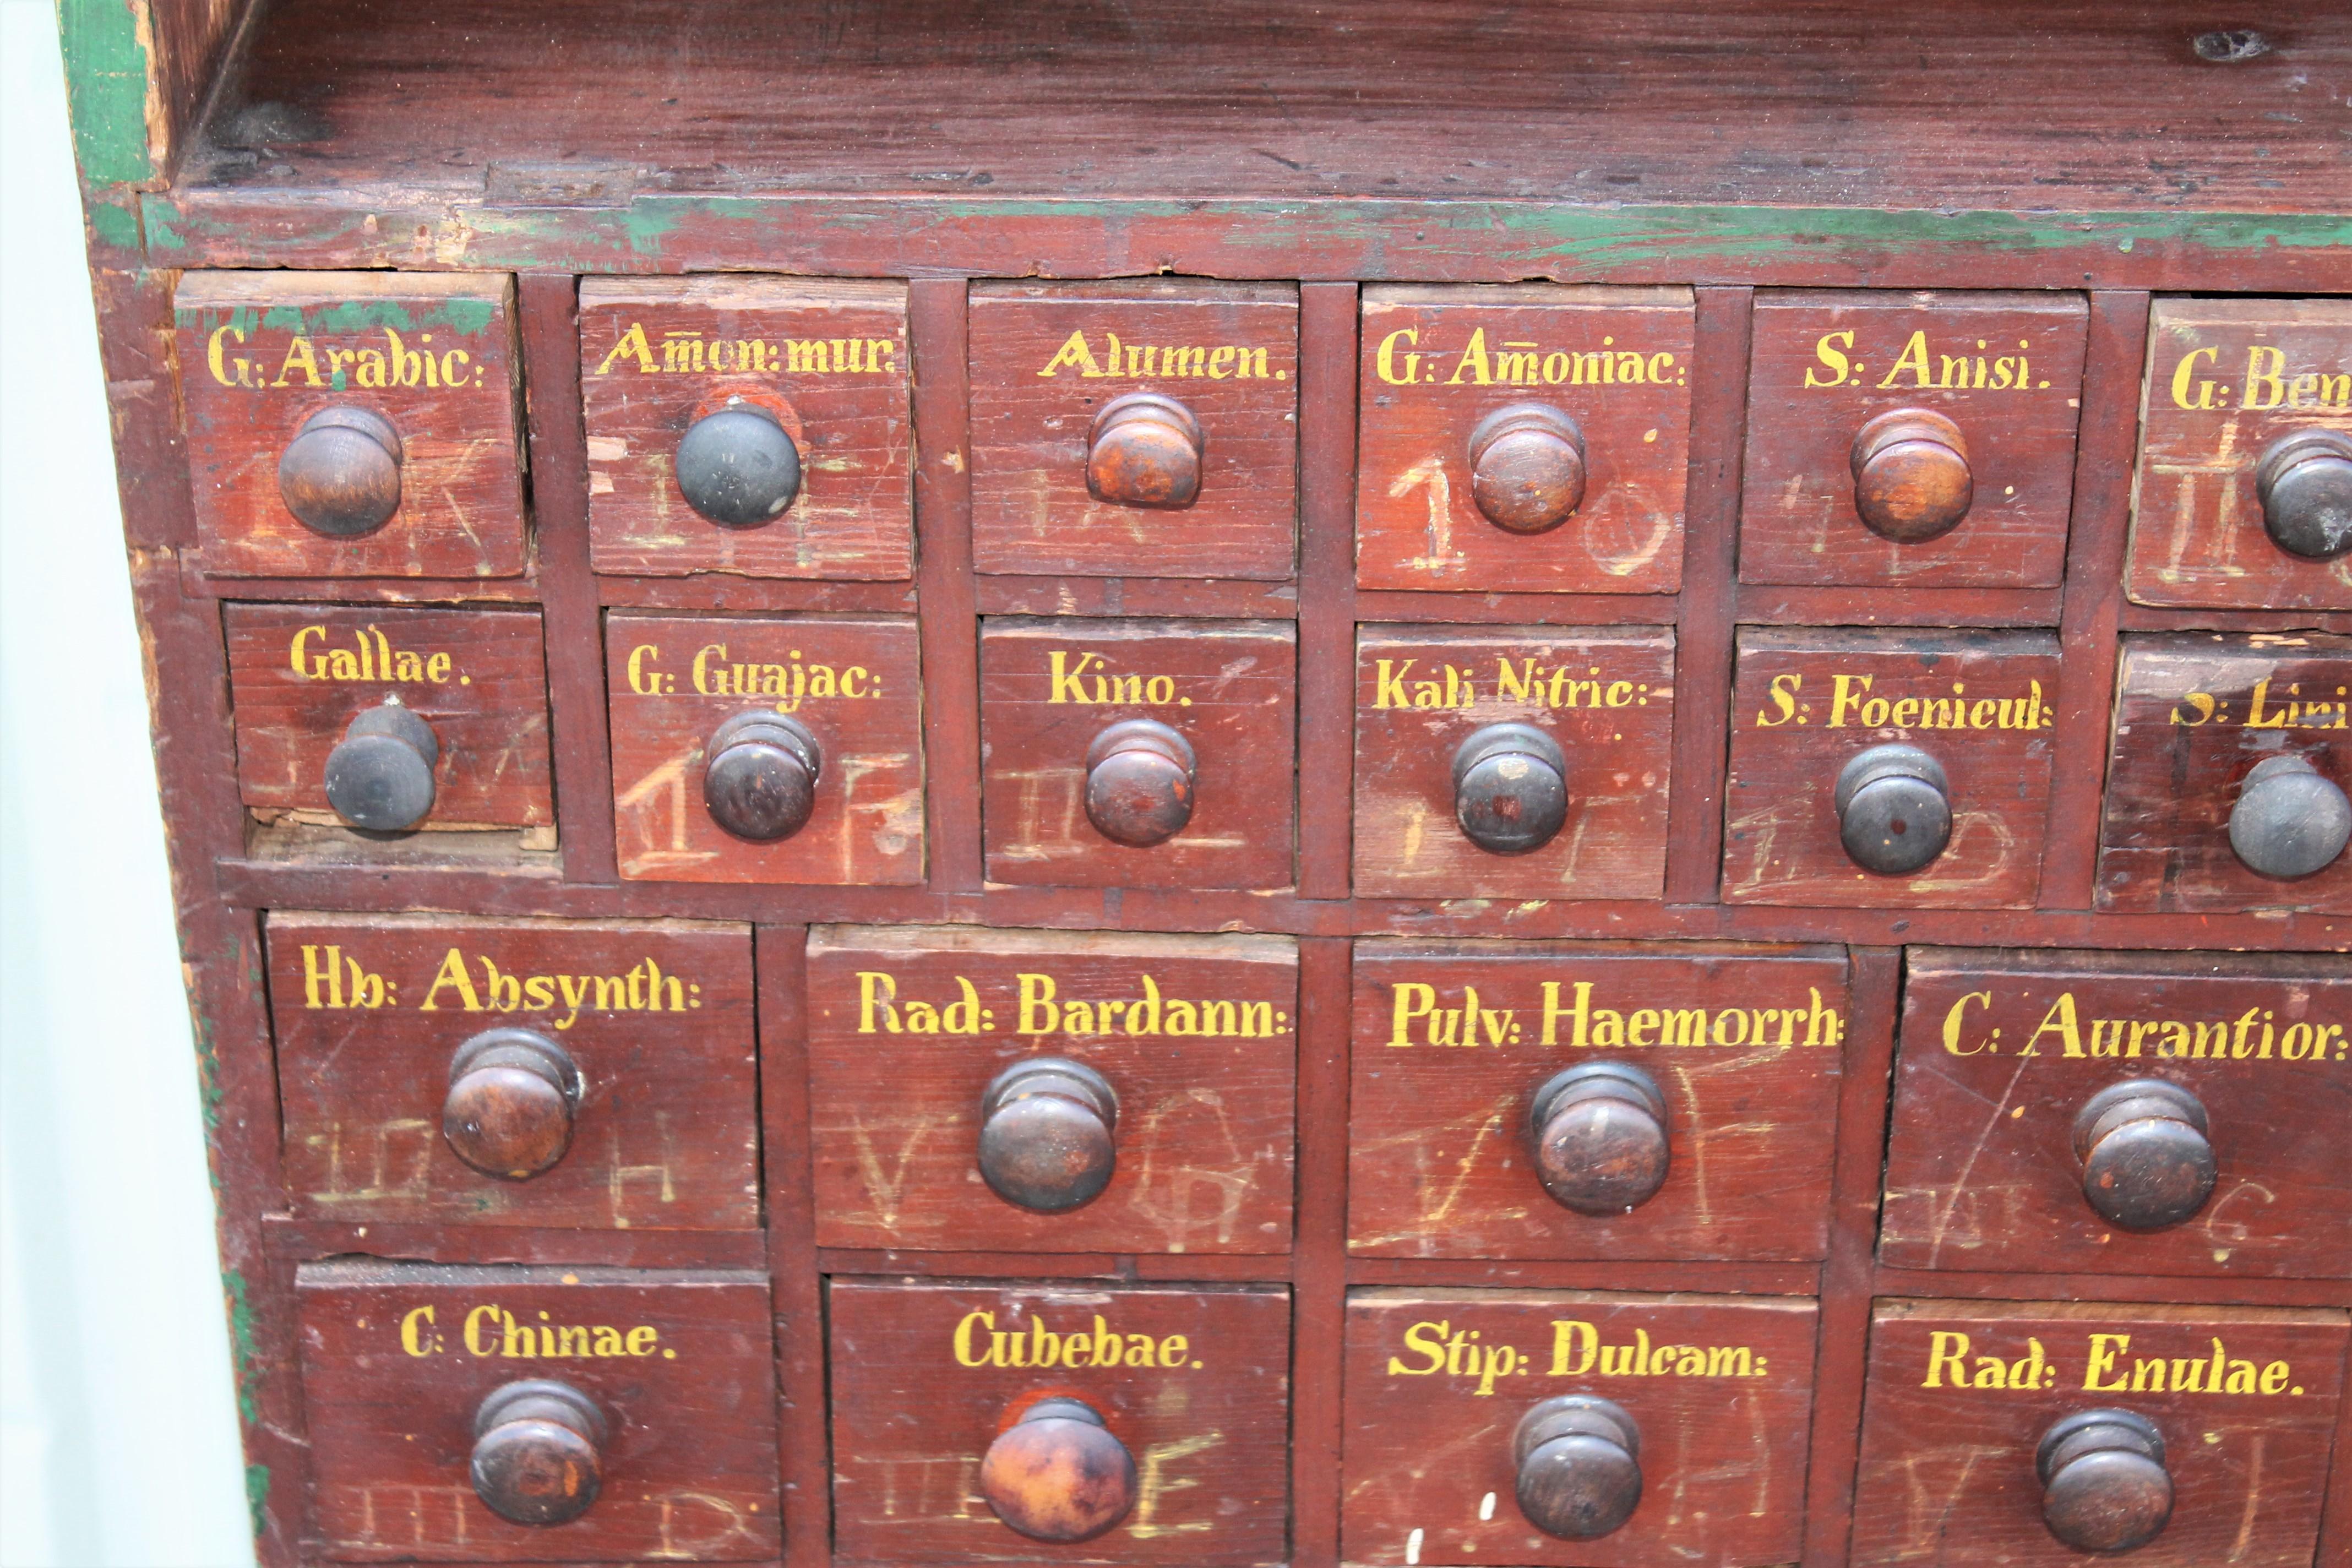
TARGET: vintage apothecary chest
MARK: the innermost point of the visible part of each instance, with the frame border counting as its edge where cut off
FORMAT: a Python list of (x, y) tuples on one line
[(1406, 784)]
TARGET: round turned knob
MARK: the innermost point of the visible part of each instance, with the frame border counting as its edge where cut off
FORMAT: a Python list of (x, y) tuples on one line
[(340, 474), (1144, 450), (2289, 821), (759, 779), (1045, 1128), (1894, 809), (1598, 1137), (1911, 479), (1139, 775), (2146, 1161), (512, 1093), (738, 467), (379, 777), (2103, 1484), (1510, 788), (2305, 483), (1526, 468), (1057, 1474), (535, 1459), (1580, 1464)]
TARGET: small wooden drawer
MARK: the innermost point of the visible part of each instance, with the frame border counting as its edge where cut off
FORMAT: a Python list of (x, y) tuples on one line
[(1183, 462), (2125, 1114), (353, 423), (747, 425), (1135, 1095), (516, 1072), (2226, 781), (300, 675), (1911, 440), (2229, 381), (1170, 1440), (1524, 438), (1454, 796), (1965, 1461), (654, 1398), (817, 725), (1819, 810), (1607, 1101), (1074, 725), (1473, 1414)]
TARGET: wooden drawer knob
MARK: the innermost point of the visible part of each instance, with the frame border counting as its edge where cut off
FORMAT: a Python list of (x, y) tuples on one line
[(1139, 778), (1057, 1474), (1911, 479), (1144, 450), (340, 474), (2290, 820), (512, 1096), (737, 465), (1894, 808), (1510, 788), (759, 781), (2147, 1162), (535, 1459), (2305, 483), (1526, 468), (2103, 1484), (1579, 1466), (1598, 1136), (379, 777), (1046, 1134)]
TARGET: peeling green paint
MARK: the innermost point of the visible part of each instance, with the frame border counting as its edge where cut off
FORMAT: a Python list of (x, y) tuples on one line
[(243, 1344), (113, 224), (257, 1497), (106, 90), (466, 317)]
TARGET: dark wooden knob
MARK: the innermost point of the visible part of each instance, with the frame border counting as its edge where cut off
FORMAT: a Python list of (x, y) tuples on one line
[(535, 1459), (1580, 1464), (2290, 820), (1144, 450), (1598, 1136), (1894, 808), (1911, 479), (340, 474), (1139, 777), (2147, 1162), (1057, 1474), (737, 465), (2305, 483), (2103, 1484), (512, 1095), (758, 778), (1045, 1128), (1526, 468), (1510, 788), (379, 777)]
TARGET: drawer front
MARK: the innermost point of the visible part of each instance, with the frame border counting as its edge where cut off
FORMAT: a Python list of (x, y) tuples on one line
[(1052, 495), (1976, 494), (299, 674), (520, 1072), (2196, 713), (805, 388), (2222, 1085), (1049, 691), (1717, 1392), (1961, 1394), (1427, 698), (413, 471), (1585, 498), (930, 1382), (1699, 1122), (1173, 1133), (849, 693), (674, 1372), (1805, 705), (2227, 380)]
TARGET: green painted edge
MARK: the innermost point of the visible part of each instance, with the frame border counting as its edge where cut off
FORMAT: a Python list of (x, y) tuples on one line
[(107, 77), (257, 1497), (112, 222), (242, 1343)]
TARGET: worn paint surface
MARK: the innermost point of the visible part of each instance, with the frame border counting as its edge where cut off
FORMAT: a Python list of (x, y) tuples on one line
[(107, 68)]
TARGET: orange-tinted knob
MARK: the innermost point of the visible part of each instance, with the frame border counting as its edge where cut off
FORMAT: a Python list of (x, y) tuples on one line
[(1526, 468), (512, 1094), (1911, 478), (536, 1457), (1144, 450), (1057, 1474)]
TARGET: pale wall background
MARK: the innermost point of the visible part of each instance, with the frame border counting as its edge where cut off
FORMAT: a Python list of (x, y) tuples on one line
[(118, 1422)]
